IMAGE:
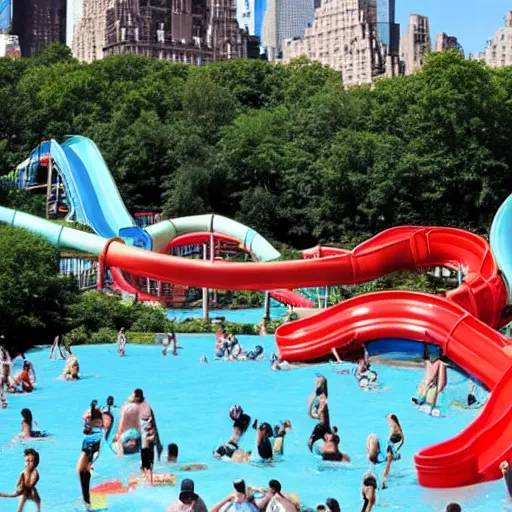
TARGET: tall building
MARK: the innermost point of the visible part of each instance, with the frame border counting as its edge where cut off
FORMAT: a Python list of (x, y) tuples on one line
[(285, 19), (498, 52), (445, 42), (90, 31), (415, 44), (345, 37), (249, 14), (38, 23), (190, 31), (73, 14)]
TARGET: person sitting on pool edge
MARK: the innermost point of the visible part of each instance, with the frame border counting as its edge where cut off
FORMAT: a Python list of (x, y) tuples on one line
[(27, 481)]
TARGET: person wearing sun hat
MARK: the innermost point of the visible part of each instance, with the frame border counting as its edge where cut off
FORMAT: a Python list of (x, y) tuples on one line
[(187, 500)]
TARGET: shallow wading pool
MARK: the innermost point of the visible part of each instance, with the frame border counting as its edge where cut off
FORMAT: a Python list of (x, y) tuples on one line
[(191, 403)]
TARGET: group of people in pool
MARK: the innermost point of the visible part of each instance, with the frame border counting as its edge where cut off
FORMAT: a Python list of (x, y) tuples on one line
[(228, 347), (24, 380)]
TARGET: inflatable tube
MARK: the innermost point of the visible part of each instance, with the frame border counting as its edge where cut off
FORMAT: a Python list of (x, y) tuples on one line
[(129, 441), (112, 487), (159, 480)]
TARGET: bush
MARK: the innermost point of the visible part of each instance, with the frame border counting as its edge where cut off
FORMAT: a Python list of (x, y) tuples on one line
[(141, 338), (151, 319), (104, 335), (78, 336)]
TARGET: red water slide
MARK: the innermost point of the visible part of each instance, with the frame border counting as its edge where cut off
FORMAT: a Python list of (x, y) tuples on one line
[(483, 292), (291, 298), (472, 456)]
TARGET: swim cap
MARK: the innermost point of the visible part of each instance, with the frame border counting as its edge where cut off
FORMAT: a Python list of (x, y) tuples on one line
[(235, 412)]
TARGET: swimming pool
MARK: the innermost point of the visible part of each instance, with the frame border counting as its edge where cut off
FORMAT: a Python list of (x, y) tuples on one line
[(191, 403), (241, 316)]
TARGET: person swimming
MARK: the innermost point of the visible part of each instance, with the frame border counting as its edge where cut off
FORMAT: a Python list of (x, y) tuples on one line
[(72, 367), (253, 355), (27, 430), (241, 422), (330, 449)]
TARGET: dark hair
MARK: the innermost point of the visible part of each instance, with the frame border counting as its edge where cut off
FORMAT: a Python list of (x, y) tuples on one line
[(333, 505), (172, 450), (394, 417), (110, 401), (95, 412), (239, 486), (31, 451), (27, 416), (453, 507), (275, 485)]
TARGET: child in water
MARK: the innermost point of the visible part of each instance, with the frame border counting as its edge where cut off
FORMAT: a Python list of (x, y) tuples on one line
[(27, 481)]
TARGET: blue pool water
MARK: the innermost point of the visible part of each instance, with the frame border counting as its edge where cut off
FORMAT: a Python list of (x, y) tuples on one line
[(191, 403), (241, 316)]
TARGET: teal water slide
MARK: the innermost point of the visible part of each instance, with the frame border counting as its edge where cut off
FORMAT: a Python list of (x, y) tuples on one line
[(90, 186)]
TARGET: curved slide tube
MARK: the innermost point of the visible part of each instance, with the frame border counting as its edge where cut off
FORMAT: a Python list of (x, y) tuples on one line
[(91, 188), (474, 455), (501, 241), (291, 298)]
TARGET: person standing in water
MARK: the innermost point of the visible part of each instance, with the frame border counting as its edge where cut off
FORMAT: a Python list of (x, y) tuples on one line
[(395, 442), (27, 481), (94, 433), (5, 372), (121, 342), (323, 426)]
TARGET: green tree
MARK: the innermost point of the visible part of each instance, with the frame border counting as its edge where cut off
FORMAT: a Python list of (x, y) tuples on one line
[(35, 300)]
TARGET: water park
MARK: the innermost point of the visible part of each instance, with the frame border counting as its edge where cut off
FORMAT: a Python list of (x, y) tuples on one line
[(388, 400)]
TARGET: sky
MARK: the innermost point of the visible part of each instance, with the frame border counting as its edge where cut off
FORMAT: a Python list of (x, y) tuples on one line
[(472, 22)]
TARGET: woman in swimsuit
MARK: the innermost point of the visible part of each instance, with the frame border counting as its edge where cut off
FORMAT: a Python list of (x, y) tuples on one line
[(395, 442), (121, 342), (320, 390), (27, 430), (27, 481), (324, 423), (5, 372), (369, 491), (330, 449), (94, 433)]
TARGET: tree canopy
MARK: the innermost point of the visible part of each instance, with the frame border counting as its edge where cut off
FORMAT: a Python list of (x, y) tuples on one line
[(282, 148), (35, 299)]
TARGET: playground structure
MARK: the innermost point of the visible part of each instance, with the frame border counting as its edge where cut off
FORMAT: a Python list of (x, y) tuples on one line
[(463, 323)]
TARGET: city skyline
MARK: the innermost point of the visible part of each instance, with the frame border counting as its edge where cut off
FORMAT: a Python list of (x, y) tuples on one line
[(472, 22)]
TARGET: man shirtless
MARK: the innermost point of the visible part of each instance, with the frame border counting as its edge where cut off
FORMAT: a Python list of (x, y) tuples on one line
[(27, 481)]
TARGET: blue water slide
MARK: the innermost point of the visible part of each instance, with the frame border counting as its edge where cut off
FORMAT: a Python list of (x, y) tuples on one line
[(501, 241), (91, 188)]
